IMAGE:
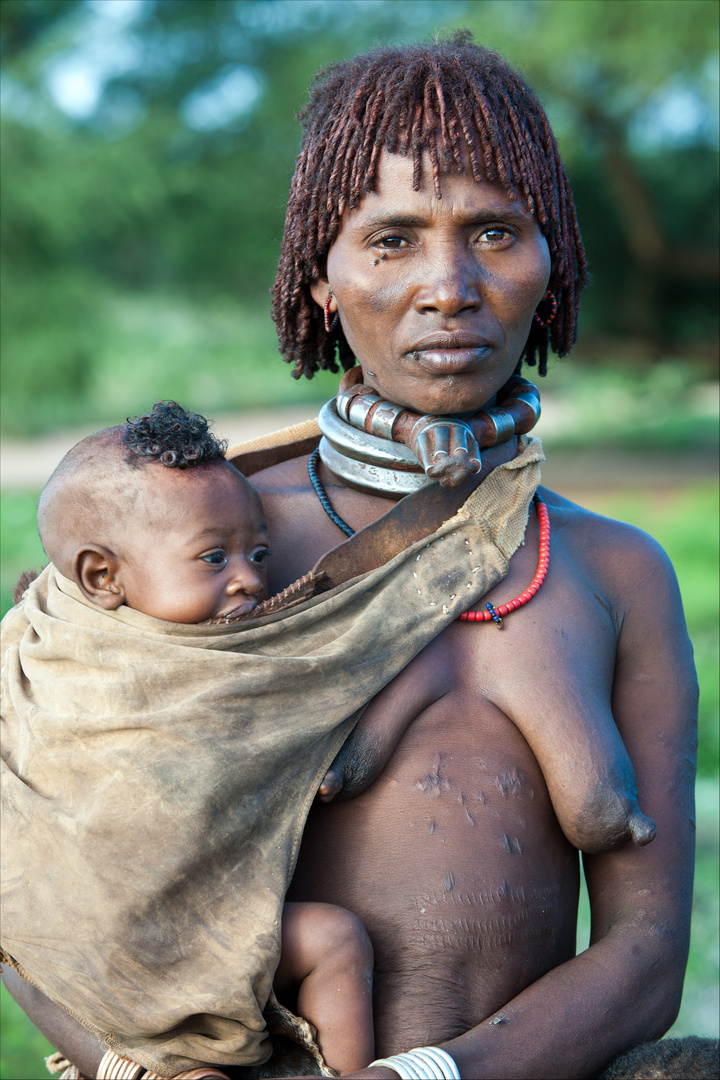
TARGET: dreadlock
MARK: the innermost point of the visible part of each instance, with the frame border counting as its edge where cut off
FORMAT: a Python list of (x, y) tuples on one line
[(459, 102)]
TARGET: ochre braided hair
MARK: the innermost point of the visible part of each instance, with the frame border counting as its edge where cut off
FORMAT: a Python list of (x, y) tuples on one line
[(459, 102)]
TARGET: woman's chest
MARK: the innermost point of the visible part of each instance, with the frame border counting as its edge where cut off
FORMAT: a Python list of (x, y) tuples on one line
[(454, 860)]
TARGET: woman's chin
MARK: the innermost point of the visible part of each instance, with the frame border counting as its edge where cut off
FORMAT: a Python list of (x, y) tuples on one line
[(444, 402), (443, 395)]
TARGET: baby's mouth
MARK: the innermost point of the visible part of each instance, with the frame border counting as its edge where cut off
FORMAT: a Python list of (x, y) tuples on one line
[(243, 608)]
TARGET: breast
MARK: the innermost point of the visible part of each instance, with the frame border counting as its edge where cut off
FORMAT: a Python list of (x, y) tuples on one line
[(456, 864)]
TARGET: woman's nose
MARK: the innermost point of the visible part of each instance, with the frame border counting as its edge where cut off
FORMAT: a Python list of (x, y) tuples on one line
[(450, 283)]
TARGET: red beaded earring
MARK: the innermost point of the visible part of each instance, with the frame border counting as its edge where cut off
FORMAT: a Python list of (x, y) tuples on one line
[(552, 305), (330, 326)]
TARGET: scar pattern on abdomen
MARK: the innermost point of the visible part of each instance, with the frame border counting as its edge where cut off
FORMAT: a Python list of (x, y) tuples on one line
[(513, 785), (486, 897), (511, 844), (435, 782), (483, 920)]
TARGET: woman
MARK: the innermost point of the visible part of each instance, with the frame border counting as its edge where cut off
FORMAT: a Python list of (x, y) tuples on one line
[(430, 213)]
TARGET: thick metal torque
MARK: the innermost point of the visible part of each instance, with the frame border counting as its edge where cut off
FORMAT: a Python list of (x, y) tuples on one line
[(359, 409), (383, 419), (504, 422), (448, 448)]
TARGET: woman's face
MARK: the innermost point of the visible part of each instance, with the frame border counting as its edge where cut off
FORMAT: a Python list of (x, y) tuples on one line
[(436, 295)]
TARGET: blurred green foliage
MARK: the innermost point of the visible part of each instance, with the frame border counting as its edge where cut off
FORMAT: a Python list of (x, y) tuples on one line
[(167, 181), (23, 1047)]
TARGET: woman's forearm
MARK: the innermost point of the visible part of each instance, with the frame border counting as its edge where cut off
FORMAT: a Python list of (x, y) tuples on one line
[(576, 1019), (64, 1032)]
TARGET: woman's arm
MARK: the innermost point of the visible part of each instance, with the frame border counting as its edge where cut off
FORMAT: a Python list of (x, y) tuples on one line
[(64, 1032)]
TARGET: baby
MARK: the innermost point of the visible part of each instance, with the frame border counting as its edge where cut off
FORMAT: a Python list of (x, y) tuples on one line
[(151, 515)]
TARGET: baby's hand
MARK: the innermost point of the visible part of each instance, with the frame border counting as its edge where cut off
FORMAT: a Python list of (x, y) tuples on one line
[(330, 786)]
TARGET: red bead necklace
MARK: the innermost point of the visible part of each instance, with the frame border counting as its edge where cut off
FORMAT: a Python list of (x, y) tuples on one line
[(497, 613)]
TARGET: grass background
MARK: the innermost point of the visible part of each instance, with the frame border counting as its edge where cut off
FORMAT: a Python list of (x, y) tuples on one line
[(668, 411)]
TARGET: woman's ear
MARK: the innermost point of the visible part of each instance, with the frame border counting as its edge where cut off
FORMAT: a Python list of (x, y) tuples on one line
[(319, 290), (95, 569)]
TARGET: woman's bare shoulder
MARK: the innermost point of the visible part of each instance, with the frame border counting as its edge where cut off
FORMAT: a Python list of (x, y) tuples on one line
[(283, 478), (622, 559), (571, 516), (623, 553)]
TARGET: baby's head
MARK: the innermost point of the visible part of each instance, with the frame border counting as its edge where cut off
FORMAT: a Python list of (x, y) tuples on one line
[(152, 515)]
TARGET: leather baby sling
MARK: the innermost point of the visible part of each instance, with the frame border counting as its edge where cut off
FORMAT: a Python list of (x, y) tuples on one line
[(156, 777)]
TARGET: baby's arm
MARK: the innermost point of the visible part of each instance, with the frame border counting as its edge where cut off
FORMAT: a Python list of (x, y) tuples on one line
[(327, 960)]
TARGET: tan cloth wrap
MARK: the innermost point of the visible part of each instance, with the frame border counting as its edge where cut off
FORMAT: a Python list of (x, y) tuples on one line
[(156, 779)]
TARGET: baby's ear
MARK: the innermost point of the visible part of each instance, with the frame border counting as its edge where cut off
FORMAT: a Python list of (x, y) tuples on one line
[(95, 569)]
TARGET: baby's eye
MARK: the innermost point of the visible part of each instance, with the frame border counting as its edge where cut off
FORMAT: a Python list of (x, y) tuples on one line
[(259, 557), (215, 558)]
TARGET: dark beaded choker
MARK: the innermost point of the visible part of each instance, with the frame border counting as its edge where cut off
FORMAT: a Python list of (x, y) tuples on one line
[(322, 495)]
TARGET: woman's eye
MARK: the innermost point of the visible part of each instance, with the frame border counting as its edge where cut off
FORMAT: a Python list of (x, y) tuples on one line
[(495, 234), (259, 557), (390, 243), (215, 558)]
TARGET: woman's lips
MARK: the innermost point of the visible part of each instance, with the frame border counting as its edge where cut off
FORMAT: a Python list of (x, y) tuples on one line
[(450, 353), (449, 361)]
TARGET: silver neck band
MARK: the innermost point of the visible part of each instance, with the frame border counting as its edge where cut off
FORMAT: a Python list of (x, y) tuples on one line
[(366, 461)]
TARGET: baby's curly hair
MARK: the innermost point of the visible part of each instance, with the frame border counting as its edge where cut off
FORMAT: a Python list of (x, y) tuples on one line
[(174, 436)]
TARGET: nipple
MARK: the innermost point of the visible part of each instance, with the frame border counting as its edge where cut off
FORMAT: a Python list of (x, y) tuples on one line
[(641, 829)]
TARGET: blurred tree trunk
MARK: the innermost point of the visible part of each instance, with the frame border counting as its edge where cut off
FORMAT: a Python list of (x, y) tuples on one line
[(653, 258)]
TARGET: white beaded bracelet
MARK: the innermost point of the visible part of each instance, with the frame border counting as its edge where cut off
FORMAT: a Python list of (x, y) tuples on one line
[(422, 1063)]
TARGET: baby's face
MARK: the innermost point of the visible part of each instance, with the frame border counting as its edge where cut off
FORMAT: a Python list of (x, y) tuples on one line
[(201, 551)]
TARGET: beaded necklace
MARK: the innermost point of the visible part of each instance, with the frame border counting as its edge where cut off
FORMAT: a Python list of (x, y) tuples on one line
[(322, 494), (496, 614)]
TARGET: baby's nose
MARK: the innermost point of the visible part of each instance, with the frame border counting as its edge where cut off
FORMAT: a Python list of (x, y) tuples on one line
[(247, 579)]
